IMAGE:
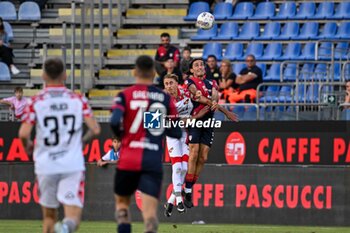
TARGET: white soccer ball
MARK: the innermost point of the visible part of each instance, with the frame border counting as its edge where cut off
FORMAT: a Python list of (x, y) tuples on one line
[(205, 20)]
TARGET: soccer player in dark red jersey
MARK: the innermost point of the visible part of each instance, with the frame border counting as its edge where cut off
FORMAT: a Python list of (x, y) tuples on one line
[(137, 118), (200, 139)]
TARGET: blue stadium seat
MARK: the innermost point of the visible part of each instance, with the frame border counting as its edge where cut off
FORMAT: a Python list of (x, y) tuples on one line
[(219, 116), (234, 51), (250, 114), (329, 30), (274, 73), (264, 10), (195, 9), (341, 51), (272, 52), (287, 10), (298, 94), (337, 72), (256, 49), (343, 31), (243, 10), (249, 31), (29, 11), (291, 52), (320, 73), (262, 66), (4, 72), (8, 11), (237, 67), (284, 94), (308, 52), (325, 51), (239, 110), (347, 72), (306, 73), (212, 49), (270, 94), (308, 31), (205, 34), (8, 30), (312, 93), (325, 10), (271, 31), (290, 72), (222, 11), (342, 11), (289, 30), (306, 10), (228, 30)]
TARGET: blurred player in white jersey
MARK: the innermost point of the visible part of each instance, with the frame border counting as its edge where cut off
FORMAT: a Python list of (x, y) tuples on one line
[(177, 148), (58, 115)]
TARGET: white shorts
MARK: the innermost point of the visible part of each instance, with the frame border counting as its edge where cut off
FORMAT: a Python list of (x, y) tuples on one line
[(177, 148), (67, 189)]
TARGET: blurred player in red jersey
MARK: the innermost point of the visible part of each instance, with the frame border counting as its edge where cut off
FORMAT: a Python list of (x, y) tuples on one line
[(177, 148), (58, 114), (204, 94), (137, 117)]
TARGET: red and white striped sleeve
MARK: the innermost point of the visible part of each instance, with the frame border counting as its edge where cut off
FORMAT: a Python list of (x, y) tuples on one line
[(87, 112), (29, 115)]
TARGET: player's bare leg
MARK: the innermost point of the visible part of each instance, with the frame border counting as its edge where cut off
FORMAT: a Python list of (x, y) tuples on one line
[(49, 219), (203, 157), (122, 213), (149, 213), (192, 163)]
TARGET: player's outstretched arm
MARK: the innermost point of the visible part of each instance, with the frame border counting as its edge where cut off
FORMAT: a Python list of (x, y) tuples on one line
[(230, 115), (116, 120), (94, 129), (24, 134)]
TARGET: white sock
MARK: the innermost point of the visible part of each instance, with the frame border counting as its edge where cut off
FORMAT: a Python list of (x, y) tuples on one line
[(178, 200), (172, 198), (177, 177)]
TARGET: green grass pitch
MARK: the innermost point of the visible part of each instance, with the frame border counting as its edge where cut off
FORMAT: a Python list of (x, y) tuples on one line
[(29, 226)]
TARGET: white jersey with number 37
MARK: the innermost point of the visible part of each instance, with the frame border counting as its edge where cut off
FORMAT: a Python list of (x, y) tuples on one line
[(58, 114)]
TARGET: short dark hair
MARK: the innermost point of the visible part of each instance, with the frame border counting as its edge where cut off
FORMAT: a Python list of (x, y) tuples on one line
[(195, 59), (54, 67), (212, 56), (187, 48), (252, 56), (165, 34), (145, 65), (118, 138), (18, 89)]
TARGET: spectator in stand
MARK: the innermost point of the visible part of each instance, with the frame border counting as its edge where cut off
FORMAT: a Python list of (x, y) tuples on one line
[(164, 52), (248, 80), (227, 83), (170, 69), (185, 62), (212, 70), (17, 102), (112, 155), (6, 54)]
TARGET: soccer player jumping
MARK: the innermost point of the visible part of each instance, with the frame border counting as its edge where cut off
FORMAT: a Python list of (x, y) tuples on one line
[(204, 93)]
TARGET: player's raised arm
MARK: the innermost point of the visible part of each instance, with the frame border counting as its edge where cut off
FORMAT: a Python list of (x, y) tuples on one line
[(117, 115)]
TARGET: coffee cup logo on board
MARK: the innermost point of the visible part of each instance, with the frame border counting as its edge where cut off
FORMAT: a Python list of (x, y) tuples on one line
[(235, 149)]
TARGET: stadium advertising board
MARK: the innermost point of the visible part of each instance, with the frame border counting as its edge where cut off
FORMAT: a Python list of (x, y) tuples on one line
[(282, 143), (247, 194)]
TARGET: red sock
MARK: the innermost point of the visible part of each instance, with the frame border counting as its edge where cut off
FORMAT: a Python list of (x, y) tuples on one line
[(195, 178), (189, 180)]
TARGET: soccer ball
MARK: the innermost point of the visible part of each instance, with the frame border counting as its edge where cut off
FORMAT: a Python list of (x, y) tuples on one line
[(205, 20)]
